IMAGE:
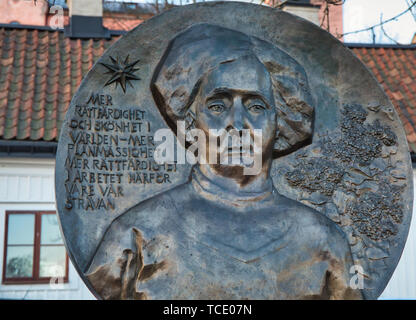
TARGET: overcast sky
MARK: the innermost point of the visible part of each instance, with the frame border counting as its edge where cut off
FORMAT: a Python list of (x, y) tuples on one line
[(359, 14)]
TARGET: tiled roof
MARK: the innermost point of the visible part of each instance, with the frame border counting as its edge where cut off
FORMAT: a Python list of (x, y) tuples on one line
[(39, 73), (40, 70), (395, 68), (121, 24), (116, 23)]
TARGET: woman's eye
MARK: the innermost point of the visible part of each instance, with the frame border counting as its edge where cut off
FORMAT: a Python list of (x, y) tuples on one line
[(216, 108), (257, 108)]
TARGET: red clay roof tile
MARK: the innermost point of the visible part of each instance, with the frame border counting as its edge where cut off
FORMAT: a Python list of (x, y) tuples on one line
[(39, 72)]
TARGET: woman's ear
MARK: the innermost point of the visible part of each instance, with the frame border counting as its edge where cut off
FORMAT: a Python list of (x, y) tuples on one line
[(280, 144), (190, 117), (190, 120)]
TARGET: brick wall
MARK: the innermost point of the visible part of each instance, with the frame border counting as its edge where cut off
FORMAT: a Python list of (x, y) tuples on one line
[(24, 12), (335, 17)]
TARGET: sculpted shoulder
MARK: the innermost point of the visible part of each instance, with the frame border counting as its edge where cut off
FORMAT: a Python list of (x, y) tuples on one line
[(148, 216), (152, 212), (315, 227)]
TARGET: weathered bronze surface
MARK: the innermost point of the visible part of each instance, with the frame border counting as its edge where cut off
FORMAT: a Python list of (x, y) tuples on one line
[(333, 194)]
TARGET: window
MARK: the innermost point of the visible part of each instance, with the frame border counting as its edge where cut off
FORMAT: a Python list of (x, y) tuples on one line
[(34, 251)]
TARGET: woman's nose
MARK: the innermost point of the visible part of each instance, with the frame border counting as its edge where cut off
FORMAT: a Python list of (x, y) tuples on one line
[(238, 117)]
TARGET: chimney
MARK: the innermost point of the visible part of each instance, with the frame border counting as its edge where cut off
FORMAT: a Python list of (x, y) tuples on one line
[(306, 9), (86, 19)]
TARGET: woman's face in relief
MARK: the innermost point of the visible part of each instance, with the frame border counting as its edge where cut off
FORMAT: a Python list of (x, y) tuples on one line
[(238, 95)]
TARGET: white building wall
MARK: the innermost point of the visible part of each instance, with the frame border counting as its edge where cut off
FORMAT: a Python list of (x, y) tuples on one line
[(29, 185), (402, 284), (308, 13)]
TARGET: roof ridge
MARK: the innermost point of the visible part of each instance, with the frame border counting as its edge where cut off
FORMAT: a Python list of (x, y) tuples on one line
[(46, 28), (379, 45)]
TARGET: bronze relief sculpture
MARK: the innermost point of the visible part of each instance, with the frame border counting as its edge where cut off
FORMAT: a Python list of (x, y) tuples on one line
[(215, 232), (223, 226)]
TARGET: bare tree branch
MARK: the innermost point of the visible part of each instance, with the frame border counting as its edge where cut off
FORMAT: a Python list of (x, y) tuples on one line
[(385, 33), (413, 11), (382, 22), (373, 35), (281, 3)]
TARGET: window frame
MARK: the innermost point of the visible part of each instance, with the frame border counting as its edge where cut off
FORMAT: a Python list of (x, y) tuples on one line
[(35, 279)]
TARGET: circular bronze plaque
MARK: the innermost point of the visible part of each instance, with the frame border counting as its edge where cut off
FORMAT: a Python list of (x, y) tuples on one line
[(326, 216)]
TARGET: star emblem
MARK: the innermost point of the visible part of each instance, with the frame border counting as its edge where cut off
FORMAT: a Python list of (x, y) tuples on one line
[(122, 72)]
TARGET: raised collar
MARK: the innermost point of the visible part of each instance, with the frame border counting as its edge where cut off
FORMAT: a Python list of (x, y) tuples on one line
[(213, 192)]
